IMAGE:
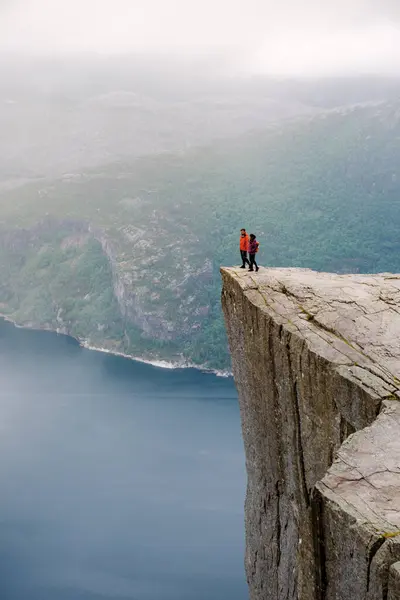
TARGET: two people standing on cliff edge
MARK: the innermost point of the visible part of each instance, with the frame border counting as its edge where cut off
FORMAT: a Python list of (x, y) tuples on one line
[(248, 245)]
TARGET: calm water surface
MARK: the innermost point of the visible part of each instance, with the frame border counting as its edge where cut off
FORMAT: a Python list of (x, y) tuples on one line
[(118, 480)]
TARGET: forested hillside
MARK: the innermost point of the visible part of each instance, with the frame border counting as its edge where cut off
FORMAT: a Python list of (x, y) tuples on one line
[(128, 256)]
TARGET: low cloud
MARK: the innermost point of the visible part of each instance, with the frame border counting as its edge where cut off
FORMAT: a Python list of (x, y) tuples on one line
[(302, 37)]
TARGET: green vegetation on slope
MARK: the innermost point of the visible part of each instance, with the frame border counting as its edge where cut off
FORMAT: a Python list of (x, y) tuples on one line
[(321, 193), (53, 278)]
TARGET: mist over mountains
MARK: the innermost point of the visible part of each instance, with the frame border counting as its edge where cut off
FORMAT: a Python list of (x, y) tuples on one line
[(67, 115), (124, 183)]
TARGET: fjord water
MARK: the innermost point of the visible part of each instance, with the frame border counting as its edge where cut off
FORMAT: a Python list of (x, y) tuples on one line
[(118, 480)]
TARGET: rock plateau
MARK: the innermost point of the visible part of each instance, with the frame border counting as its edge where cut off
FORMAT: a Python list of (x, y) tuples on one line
[(316, 360)]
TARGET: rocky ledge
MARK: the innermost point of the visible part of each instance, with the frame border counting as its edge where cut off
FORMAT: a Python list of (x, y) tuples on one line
[(316, 359)]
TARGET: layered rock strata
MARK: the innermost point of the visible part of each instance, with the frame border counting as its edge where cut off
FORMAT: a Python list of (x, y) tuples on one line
[(316, 360)]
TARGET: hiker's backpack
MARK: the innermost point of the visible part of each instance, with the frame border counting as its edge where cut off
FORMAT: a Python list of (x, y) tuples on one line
[(258, 244)]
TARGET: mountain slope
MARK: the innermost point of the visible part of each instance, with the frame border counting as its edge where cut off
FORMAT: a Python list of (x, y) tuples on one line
[(320, 192)]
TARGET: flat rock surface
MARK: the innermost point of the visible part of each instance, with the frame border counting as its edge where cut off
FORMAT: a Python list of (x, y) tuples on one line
[(351, 320), (365, 477)]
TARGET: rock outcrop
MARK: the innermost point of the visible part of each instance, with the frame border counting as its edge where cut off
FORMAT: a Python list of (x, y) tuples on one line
[(316, 360)]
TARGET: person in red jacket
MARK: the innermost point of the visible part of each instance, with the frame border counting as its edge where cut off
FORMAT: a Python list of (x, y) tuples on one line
[(244, 248), (253, 249)]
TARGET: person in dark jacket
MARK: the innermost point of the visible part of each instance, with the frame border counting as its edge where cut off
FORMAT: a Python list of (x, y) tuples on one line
[(244, 247), (253, 249)]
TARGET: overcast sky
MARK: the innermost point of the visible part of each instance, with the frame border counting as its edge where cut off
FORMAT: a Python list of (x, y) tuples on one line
[(275, 36)]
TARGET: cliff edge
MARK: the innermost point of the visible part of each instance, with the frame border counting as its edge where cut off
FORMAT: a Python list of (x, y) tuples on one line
[(316, 360)]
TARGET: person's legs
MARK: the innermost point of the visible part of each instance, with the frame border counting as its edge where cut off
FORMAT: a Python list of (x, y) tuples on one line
[(252, 261), (245, 260)]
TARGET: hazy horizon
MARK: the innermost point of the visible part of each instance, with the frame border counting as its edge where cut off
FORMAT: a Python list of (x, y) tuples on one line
[(292, 39)]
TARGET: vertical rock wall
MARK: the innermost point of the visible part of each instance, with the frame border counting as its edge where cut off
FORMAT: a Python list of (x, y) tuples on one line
[(314, 357)]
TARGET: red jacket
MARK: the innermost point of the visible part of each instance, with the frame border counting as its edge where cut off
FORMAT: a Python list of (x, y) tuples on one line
[(244, 242)]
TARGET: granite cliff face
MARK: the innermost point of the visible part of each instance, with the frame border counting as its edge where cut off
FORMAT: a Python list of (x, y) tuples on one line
[(316, 359)]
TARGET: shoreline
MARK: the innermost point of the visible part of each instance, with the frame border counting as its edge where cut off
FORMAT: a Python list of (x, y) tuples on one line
[(156, 363)]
